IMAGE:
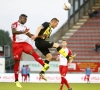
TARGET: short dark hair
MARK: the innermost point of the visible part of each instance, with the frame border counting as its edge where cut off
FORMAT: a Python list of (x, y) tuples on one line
[(54, 19), (23, 15)]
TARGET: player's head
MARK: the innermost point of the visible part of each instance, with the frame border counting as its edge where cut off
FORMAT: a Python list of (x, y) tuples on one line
[(64, 43), (23, 65), (54, 22), (22, 18)]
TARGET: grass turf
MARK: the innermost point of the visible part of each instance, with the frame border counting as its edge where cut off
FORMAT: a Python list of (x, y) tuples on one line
[(47, 86)]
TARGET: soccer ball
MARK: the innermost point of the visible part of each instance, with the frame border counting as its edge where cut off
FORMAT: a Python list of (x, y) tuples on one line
[(67, 6)]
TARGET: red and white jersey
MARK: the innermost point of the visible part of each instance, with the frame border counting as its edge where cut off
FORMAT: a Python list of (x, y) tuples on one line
[(19, 37), (63, 60)]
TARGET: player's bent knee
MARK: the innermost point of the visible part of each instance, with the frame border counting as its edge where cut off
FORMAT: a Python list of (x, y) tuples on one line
[(49, 56), (55, 45)]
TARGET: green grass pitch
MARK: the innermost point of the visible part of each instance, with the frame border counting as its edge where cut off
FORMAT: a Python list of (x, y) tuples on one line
[(48, 86)]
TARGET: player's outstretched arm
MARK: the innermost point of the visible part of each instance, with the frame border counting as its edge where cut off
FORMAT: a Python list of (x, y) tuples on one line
[(38, 30), (14, 31), (70, 61), (32, 36), (29, 34)]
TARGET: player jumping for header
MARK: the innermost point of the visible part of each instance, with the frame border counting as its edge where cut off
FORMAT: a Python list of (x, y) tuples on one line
[(19, 44), (43, 45)]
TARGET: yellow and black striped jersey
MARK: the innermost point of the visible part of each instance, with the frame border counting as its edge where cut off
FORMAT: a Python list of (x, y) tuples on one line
[(46, 30)]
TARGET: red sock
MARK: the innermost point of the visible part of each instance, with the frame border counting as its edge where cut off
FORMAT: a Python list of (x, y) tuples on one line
[(88, 78), (66, 83), (38, 58), (16, 70), (62, 83), (25, 78)]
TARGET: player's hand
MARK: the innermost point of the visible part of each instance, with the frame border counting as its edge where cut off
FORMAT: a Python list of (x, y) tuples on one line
[(73, 56), (26, 30)]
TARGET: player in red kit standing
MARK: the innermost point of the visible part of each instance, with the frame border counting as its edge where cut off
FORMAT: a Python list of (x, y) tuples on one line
[(19, 45), (63, 66)]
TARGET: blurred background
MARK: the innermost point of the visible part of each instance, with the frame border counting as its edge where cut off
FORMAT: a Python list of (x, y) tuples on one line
[(80, 27)]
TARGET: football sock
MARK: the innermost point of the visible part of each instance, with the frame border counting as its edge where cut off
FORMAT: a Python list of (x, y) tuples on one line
[(62, 51), (62, 83), (25, 78), (38, 58), (47, 61), (66, 83), (43, 69), (88, 78), (16, 70)]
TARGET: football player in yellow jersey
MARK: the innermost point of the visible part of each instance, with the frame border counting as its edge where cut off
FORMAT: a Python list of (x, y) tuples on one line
[(43, 44)]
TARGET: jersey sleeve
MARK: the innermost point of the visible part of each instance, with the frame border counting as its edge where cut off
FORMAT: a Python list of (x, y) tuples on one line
[(14, 25), (70, 53), (45, 24)]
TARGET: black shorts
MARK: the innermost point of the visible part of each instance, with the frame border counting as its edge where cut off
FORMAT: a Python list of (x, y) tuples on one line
[(43, 46), (28, 75)]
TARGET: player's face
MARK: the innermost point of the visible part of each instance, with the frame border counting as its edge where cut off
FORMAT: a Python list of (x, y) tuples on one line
[(64, 43), (54, 24), (23, 20)]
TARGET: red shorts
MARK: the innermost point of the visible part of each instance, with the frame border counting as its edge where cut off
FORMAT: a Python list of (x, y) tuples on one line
[(63, 70), (18, 48), (24, 75), (88, 76)]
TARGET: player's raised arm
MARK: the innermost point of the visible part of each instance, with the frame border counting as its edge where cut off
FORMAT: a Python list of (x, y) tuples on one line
[(30, 35), (44, 25), (14, 31), (38, 30)]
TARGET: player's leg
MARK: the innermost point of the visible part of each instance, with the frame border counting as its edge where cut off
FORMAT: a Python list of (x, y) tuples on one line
[(17, 51), (46, 53), (63, 76), (62, 51), (62, 80), (29, 50), (22, 77), (28, 77), (43, 46), (25, 78), (88, 77)]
